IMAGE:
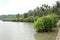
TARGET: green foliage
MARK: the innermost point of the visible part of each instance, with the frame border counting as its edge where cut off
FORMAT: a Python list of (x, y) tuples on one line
[(25, 15), (44, 10), (33, 15), (35, 18), (46, 23), (39, 24), (28, 19)]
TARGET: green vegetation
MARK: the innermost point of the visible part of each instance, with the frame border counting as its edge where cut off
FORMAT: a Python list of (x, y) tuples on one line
[(17, 17), (45, 23), (29, 19), (44, 18), (37, 12)]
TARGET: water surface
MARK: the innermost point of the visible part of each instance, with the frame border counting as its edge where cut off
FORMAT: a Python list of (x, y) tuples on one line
[(16, 31)]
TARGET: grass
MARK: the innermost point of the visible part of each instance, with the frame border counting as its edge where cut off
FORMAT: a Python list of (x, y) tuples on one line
[(46, 36)]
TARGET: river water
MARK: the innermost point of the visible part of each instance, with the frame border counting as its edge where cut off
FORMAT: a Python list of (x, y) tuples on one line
[(16, 31)]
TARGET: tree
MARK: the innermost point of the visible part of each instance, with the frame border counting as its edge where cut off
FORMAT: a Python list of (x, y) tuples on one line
[(56, 8), (18, 17), (30, 13), (25, 15)]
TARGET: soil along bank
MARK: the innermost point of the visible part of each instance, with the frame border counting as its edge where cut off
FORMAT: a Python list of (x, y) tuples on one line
[(58, 35)]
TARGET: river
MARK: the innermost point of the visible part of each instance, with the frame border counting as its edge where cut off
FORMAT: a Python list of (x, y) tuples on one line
[(16, 31)]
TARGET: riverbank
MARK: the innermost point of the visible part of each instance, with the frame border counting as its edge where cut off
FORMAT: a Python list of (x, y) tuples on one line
[(46, 36)]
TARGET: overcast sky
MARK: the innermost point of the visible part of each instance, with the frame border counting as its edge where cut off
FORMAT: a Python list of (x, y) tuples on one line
[(21, 6)]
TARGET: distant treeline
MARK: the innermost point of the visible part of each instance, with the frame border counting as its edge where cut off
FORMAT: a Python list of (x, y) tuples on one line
[(44, 10), (32, 15)]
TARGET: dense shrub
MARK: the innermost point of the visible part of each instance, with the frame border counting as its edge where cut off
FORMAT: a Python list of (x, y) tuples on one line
[(35, 18), (28, 19), (45, 23), (54, 18)]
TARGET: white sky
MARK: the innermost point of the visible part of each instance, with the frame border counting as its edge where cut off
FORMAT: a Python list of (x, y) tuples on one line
[(21, 6)]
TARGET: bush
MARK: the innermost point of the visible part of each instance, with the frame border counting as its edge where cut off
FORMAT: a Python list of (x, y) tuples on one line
[(35, 18), (28, 19), (45, 23), (54, 18)]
